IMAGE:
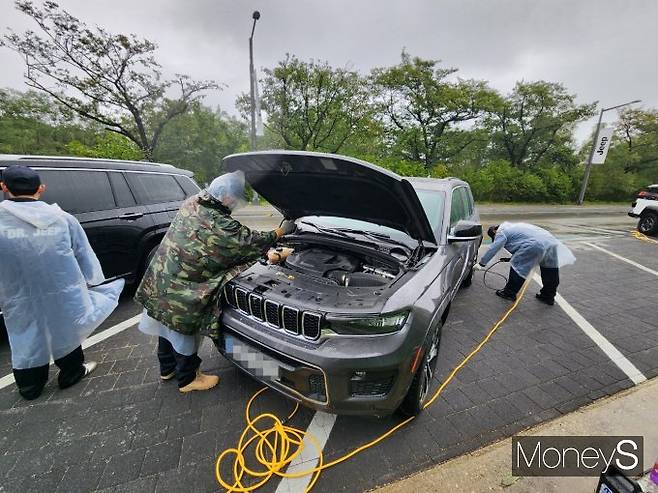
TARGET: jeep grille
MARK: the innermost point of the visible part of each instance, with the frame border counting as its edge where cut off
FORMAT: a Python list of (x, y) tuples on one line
[(292, 320)]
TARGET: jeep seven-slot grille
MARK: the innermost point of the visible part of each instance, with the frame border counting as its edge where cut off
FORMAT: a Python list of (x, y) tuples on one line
[(291, 319), (272, 313), (281, 316), (256, 306), (229, 295), (241, 300), (311, 325)]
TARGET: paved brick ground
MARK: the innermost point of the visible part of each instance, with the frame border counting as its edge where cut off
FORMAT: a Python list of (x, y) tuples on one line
[(124, 430)]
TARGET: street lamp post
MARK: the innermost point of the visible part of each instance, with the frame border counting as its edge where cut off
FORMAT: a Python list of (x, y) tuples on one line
[(588, 168), (255, 16)]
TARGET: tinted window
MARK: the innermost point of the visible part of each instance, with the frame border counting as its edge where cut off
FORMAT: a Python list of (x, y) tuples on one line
[(155, 188), (433, 205), (457, 209), (77, 191), (122, 193), (188, 185)]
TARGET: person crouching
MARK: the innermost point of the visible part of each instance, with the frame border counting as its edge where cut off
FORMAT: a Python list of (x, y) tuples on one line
[(529, 245)]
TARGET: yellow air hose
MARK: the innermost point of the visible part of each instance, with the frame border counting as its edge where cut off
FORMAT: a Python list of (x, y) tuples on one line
[(275, 446), (643, 237)]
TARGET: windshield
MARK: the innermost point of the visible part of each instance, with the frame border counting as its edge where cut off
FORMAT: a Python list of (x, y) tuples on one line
[(433, 205), (432, 202)]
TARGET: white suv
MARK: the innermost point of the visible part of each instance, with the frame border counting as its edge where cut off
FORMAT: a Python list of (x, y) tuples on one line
[(647, 211)]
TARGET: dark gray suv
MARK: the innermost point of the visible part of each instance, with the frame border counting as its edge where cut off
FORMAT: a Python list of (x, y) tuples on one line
[(351, 322)]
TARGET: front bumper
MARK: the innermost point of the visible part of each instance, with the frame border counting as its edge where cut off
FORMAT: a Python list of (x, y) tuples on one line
[(340, 375)]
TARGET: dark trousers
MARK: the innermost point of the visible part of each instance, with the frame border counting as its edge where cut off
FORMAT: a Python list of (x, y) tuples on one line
[(31, 381), (550, 279), (514, 282), (185, 367)]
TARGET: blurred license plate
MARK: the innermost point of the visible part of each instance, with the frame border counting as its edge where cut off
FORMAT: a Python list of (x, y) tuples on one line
[(250, 358)]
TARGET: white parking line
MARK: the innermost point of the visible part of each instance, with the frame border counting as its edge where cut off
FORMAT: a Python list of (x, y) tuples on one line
[(624, 259), (320, 428), (604, 344), (7, 380)]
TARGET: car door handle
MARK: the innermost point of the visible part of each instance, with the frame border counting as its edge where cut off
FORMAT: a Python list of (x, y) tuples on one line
[(131, 215)]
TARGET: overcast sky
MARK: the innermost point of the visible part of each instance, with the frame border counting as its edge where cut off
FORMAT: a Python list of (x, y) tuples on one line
[(603, 50)]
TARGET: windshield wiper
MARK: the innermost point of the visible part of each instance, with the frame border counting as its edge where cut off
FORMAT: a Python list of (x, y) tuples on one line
[(373, 235), (325, 230)]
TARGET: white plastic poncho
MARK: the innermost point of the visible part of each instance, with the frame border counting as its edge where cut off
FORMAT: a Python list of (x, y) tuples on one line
[(529, 245), (186, 345), (46, 267)]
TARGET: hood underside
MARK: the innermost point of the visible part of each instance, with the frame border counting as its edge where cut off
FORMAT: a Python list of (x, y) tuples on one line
[(313, 184)]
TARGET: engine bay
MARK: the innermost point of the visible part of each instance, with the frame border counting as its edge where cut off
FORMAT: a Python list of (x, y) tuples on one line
[(340, 267)]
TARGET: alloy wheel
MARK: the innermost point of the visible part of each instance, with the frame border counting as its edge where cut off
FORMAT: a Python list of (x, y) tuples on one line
[(647, 224)]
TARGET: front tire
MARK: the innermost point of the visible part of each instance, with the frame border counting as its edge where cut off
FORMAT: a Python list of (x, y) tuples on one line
[(648, 224), (420, 385)]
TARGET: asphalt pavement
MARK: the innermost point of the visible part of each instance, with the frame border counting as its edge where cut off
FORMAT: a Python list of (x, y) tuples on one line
[(124, 430)]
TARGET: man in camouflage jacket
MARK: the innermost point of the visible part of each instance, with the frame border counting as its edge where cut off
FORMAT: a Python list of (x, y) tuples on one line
[(203, 249)]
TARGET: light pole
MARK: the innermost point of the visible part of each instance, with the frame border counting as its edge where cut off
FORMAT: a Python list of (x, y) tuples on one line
[(588, 168), (255, 16)]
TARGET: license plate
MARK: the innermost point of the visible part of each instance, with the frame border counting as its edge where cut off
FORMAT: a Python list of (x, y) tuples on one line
[(250, 358)]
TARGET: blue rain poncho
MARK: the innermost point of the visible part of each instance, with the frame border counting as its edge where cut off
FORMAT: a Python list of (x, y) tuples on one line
[(529, 245), (46, 268)]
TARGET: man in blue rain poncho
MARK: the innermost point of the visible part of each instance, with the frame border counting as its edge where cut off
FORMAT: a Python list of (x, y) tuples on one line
[(529, 245), (46, 272)]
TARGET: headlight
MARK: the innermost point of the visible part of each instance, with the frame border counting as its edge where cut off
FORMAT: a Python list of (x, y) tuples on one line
[(384, 324)]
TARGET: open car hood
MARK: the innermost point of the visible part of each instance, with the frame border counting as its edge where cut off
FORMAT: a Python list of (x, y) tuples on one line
[(314, 184)]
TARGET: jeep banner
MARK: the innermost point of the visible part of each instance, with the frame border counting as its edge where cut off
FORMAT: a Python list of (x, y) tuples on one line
[(603, 140)]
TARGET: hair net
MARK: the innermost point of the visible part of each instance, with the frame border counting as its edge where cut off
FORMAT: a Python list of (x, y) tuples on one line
[(229, 190)]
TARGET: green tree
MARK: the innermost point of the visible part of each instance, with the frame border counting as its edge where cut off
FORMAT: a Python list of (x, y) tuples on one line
[(534, 124), (422, 108), (108, 145), (637, 141), (200, 139), (313, 106), (31, 123), (111, 79)]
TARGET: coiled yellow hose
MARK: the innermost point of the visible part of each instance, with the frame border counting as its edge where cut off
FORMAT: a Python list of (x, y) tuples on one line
[(275, 446)]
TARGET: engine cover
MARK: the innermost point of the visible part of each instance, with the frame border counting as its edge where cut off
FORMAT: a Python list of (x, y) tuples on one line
[(319, 262)]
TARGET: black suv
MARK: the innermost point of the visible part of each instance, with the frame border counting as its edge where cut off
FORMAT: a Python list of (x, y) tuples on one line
[(125, 207)]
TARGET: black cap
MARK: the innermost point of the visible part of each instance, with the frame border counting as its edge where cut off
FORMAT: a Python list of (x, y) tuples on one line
[(492, 231), (21, 180)]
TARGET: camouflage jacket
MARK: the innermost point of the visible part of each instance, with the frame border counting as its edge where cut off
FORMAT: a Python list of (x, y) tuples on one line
[(203, 249)]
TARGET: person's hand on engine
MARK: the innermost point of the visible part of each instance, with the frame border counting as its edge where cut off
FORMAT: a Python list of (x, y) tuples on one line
[(277, 255)]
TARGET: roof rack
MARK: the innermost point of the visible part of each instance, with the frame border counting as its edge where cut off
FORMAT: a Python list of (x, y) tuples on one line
[(18, 157)]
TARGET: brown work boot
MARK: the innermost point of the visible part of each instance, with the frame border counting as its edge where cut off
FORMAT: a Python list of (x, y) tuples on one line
[(201, 382)]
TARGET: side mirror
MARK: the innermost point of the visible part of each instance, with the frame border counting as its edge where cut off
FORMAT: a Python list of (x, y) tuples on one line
[(465, 231)]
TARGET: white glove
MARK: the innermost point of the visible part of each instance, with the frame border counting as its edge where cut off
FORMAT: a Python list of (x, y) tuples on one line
[(478, 267), (288, 226)]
